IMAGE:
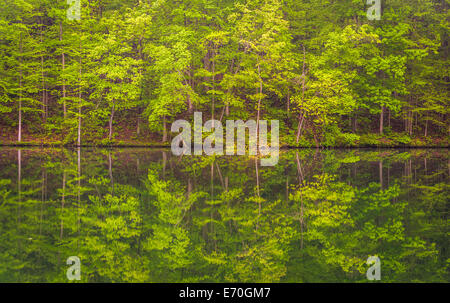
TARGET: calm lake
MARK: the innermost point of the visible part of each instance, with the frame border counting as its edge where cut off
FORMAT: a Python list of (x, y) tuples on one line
[(143, 215)]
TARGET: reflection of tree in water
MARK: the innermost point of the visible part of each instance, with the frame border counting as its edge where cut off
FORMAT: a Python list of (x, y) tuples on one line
[(135, 216)]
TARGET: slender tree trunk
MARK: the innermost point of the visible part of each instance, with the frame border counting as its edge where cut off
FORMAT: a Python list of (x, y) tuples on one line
[(425, 164), (301, 119), (300, 182), (380, 169), (288, 102), (212, 180), (411, 121), (219, 172), (141, 56), (164, 138), (164, 160), (138, 126), (111, 178), (43, 198), (137, 165), (301, 116), (257, 185), (19, 173), (44, 114), (78, 188), (79, 121), (19, 190), (301, 177), (111, 121), (221, 115), (19, 135), (192, 85), (63, 64), (189, 188), (212, 195), (62, 204), (79, 103), (259, 101), (190, 107), (213, 84), (381, 120)]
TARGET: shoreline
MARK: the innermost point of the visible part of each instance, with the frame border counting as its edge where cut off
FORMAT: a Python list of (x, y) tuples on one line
[(155, 145)]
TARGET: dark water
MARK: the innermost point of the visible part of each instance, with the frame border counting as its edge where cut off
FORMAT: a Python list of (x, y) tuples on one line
[(144, 215)]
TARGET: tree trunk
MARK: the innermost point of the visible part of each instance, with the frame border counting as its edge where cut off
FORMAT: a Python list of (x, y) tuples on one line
[(213, 85), (300, 126), (259, 101), (190, 107), (300, 182), (44, 101), (79, 104), (43, 197), (301, 116), (78, 187), (63, 63), (257, 185), (299, 169), (381, 120), (138, 126), (212, 180), (79, 120), (219, 172), (189, 188), (164, 138), (111, 122), (19, 172), (380, 168), (62, 204), (191, 84), (19, 187), (288, 102), (411, 121), (19, 135), (164, 161), (111, 179)]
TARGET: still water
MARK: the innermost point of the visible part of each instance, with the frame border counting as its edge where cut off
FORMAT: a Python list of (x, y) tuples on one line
[(143, 215)]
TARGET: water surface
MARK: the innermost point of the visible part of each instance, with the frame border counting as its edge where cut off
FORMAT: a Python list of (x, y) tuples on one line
[(140, 215)]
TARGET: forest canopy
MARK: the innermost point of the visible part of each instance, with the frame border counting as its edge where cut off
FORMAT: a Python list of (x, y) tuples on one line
[(125, 70)]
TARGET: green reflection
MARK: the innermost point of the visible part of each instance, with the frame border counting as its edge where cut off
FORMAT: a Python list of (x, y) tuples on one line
[(136, 215)]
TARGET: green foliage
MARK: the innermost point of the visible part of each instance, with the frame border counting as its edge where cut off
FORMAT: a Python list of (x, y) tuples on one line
[(138, 216), (320, 67), (401, 138)]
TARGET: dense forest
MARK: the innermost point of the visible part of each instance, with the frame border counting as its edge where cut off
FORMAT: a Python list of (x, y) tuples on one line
[(125, 70)]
